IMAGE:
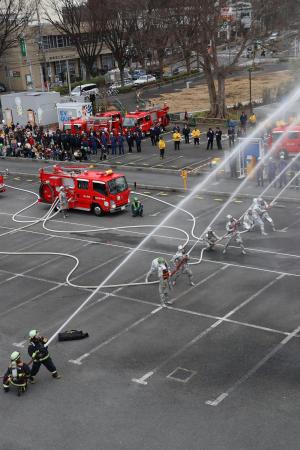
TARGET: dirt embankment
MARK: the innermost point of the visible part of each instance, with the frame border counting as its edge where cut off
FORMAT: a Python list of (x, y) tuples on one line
[(237, 91)]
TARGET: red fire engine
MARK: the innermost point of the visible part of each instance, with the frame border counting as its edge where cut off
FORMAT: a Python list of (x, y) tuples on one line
[(289, 143), (145, 119), (3, 174), (110, 121), (86, 189), (75, 126)]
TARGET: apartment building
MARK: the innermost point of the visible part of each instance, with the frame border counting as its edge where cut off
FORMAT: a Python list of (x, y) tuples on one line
[(45, 57)]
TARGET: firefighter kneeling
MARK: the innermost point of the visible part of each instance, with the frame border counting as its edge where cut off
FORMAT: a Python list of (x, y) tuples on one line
[(38, 351), (17, 374), (137, 208)]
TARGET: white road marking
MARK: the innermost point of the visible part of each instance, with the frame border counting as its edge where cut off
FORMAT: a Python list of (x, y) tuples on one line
[(19, 344), (93, 226), (213, 326), (155, 214), (204, 280), (32, 299), (167, 161), (254, 369), (115, 336)]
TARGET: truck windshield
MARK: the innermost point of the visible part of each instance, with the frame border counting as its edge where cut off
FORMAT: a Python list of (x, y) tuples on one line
[(117, 185), (129, 122), (276, 136)]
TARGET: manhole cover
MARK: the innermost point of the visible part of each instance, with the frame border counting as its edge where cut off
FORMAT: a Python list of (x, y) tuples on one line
[(180, 374)]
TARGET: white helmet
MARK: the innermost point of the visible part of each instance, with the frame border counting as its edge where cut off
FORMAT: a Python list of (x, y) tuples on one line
[(33, 333), (229, 217), (15, 356), (260, 199), (180, 247), (209, 229), (61, 188), (255, 200)]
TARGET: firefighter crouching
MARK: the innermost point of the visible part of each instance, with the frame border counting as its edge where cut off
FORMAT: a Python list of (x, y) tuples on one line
[(17, 374), (38, 351), (137, 208)]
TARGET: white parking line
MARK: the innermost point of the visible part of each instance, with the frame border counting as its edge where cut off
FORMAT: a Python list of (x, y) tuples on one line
[(254, 369), (113, 293), (78, 361), (208, 330), (171, 254)]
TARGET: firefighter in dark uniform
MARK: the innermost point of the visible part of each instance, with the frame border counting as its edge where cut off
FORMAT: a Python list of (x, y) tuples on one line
[(38, 351), (17, 374)]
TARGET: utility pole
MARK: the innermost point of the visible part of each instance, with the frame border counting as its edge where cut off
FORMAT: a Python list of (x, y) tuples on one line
[(68, 76), (250, 88)]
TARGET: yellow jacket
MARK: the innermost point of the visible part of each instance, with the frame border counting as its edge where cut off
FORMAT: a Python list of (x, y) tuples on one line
[(161, 144), (176, 137), (196, 133), (252, 118)]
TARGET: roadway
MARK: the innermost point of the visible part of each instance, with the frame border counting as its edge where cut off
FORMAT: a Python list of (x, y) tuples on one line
[(216, 370)]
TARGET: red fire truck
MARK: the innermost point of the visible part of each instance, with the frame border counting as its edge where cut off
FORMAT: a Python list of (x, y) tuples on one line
[(145, 119), (110, 121), (75, 126), (3, 174), (289, 143), (86, 189)]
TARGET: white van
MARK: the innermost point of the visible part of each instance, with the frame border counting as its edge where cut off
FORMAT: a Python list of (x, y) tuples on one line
[(85, 89)]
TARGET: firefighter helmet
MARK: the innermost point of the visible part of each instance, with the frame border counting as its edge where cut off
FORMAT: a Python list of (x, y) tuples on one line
[(33, 333), (15, 356), (209, 229), (180, 247), (229, 217)]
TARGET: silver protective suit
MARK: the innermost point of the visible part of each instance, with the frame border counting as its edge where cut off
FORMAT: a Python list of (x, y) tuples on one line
[(180, 263)]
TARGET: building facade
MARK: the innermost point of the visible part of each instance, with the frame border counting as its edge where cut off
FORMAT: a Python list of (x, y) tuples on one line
[(44, 58)]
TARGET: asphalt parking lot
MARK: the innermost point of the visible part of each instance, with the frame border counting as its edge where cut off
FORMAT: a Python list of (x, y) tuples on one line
[(216, 370), (194, 158)]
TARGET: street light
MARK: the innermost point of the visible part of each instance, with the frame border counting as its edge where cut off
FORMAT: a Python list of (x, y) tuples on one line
[(250, 88)]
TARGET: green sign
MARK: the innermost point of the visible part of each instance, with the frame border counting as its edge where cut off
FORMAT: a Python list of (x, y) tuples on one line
[(23, 46)]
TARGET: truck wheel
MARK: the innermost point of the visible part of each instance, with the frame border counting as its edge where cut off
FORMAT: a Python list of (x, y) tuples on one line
[(97, 210)]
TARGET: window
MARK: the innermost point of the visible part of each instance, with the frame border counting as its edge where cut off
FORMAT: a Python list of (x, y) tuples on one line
[(68, 182), (99, 187), (293, 135), (129, 122), (117, 185), (60, 41), (276, 136), (83, 184)]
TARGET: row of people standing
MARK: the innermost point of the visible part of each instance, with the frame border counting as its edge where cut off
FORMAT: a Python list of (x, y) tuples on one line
[(196, 134)]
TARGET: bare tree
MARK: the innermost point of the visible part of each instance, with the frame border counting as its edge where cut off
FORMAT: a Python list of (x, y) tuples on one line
[(183, 29), (141, 31), (14, 17), (79, 21), (208, 34), (118, 21)]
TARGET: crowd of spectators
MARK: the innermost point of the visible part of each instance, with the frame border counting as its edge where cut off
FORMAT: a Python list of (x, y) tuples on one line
[(40, 143)]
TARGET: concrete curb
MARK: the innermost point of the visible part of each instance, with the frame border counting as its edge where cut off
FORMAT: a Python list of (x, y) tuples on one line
[(107, 166), (210, 193), (182, 191)]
